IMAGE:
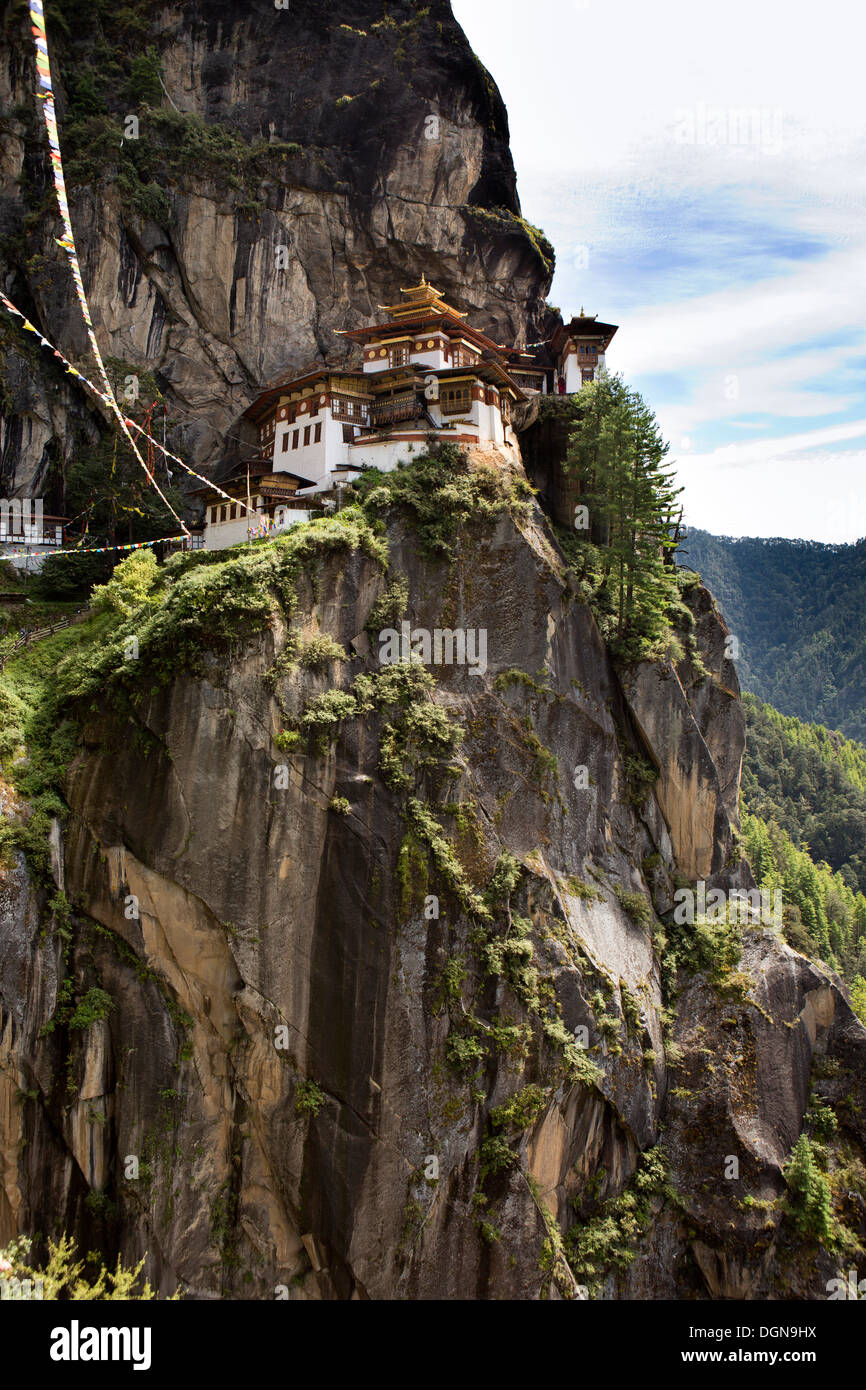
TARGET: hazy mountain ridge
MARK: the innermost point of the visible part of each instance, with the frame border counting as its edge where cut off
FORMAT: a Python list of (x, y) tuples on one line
[(798, 609)]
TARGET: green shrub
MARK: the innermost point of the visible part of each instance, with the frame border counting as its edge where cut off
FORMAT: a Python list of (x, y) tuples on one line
[(609, 1239), (521, 1110), (463, 1051), (320, 651), (309, 1098), (635, 905), (809, 1194)]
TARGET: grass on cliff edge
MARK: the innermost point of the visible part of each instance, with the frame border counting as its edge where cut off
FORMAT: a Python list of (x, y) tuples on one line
[(210, 600), (155, 622)]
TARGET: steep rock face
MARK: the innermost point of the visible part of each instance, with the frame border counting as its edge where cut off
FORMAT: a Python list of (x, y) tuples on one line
[(690, 717), (288, 1013), (252, 264)]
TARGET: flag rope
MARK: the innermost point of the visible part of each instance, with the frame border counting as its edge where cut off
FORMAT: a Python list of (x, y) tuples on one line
[(67, 241), (73, 371)]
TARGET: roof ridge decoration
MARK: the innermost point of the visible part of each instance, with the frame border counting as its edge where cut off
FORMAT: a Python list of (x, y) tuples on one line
[(422, 296)]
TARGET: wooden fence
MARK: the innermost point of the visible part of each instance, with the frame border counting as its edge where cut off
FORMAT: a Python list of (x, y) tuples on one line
[(37, 633)]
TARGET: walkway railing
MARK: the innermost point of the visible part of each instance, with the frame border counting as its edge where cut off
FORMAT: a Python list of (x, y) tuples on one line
[(38, 633)]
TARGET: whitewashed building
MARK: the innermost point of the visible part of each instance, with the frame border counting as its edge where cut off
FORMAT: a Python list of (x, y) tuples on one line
[(423, 372)]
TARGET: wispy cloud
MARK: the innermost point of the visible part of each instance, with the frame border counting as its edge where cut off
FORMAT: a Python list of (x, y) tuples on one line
[(736, 264)]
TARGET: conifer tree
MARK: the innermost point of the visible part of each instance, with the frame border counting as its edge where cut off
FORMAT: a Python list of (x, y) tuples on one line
[(618, 454)]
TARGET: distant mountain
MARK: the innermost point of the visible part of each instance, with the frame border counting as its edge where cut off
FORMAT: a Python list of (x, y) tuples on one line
[(799, 611), (812, 782)]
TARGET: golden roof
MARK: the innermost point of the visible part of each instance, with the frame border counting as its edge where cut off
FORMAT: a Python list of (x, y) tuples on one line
[(421, 297)]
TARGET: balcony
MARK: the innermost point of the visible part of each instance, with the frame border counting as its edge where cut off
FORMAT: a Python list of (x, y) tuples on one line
[(394, 410)]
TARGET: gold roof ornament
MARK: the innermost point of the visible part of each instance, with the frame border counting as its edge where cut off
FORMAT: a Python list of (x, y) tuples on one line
[(421, 297)]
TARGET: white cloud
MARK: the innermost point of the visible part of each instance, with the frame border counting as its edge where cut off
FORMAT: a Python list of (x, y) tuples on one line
[(719, 261)]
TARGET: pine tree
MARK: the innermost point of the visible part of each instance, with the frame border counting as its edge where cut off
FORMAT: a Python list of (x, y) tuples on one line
[(618, 453), (810, 1200)]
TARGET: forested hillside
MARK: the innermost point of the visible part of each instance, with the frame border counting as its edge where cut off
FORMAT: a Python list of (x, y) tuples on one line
[(804, 828), (813, 782), (799, 611)]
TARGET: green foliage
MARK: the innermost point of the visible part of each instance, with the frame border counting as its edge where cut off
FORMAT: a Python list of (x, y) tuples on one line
[(822, 916), (635, 905), (63, 1276), (320, 651), (618, 456), (34, 717), (428, 830), (521, 1110), (609, 1240), (630, 1007), (858, 997), (496, 1157), (442, 492), (143, 86), (79, 1014), (641, 776), (340, 805), (809, 1195), (71, 577), (309, 1098), (463, 1051), (92, 1008), (210, 601), (578, 889), (811, 782), (452, 977), (412, 876), (713, 947), (172, 147), (506, 679), (288, 740), (388, 609), (798, 609), (107, 490), (131, 586)]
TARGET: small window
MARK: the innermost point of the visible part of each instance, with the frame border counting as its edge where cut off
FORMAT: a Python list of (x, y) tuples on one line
[(317, 437), (306, 435), (348, 434), (296, 439), (285, 441), (213, 512), (233, 511), (222, 513), (399, 357)]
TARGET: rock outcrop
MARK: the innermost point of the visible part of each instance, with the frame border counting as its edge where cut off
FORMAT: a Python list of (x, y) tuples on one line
[(339, 1074), (293, 169)]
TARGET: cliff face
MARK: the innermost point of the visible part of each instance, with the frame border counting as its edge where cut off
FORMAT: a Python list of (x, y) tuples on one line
[(341, 1072), (283, 184), (346, 1006)]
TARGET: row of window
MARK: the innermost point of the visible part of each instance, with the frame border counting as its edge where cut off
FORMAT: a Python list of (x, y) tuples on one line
[(401, 356), (231, 512), (312, 434), (344, 408), (453, 400)]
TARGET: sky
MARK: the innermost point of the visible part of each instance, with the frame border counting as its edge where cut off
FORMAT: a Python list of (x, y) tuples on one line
[(701, 170)]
